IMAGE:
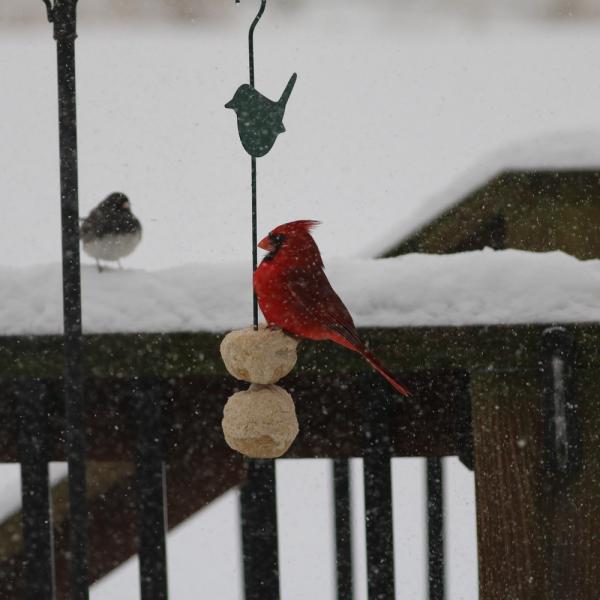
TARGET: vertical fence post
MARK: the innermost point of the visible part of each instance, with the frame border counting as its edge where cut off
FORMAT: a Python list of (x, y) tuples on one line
[(343, 535), (508, 434), (259, 531), (435, 528), (150, 491), (377, 405), (64, 16), (38, 559)]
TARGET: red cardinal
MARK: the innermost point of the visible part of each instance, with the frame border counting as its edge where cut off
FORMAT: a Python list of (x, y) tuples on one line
[(294, 293)]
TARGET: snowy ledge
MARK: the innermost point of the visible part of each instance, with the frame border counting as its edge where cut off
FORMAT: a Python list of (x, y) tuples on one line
[(472, 288)]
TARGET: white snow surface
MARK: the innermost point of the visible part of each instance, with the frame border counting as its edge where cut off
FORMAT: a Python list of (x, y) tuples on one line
[(481, 287)]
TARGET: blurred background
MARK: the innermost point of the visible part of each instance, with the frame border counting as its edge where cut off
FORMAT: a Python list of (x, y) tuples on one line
[(401, 108), (215, 11)]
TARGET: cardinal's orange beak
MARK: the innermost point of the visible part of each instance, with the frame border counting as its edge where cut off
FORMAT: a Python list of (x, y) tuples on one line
[(265, 244)]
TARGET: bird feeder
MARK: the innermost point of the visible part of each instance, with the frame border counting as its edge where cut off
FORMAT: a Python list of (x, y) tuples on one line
[(259, 422), (261, 356)]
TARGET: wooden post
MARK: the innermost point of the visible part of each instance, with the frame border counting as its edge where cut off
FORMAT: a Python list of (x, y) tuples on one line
[(508, 433), (538, 535)]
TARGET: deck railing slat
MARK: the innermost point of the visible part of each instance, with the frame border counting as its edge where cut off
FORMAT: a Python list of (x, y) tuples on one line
[(38, 559), (343, 534), (259, 531), (150, 492), (377, 402), (435, 528)]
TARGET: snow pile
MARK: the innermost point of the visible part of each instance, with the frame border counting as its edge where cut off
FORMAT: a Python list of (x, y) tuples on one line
[(482, 287)]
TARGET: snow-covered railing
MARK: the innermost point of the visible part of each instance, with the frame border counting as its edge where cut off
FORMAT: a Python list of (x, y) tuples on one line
[(482, 287)]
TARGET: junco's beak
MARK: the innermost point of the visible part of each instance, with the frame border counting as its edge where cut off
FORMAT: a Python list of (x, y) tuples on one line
[(265, 244), (230, 104)]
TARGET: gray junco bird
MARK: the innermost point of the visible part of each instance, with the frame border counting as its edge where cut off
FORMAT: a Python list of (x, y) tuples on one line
[(110, 231), (259, 119)]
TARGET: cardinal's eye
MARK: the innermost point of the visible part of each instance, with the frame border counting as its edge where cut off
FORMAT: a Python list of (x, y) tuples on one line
[(277, 238)]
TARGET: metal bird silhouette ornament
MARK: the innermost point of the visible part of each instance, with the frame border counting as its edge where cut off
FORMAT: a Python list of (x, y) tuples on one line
[(259, 119)]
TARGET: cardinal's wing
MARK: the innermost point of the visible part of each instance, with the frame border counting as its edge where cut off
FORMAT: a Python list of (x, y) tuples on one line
[(314, 297)]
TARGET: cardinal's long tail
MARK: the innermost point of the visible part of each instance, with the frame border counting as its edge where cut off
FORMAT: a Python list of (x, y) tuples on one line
[(384, 372), (356, 345)]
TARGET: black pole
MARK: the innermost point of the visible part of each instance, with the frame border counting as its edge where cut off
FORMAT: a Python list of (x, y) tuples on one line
[(64, 17), (150, 490), (377, 412), (258, 495), (259, 532), (435, 528), (38, 558), (343, 530)]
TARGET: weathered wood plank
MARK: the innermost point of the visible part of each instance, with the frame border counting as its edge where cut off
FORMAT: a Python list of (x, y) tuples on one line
[(329, 415), (511, 522), (404, 350), (538, 532)]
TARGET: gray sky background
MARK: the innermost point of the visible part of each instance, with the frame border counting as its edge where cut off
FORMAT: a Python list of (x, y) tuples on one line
[(220, 11)]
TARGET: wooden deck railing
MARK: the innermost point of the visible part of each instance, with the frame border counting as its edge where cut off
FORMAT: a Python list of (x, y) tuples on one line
[(154, 403)]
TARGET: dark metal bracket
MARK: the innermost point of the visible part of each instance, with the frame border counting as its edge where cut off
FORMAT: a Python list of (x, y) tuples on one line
[(562, 430), (62, 14)]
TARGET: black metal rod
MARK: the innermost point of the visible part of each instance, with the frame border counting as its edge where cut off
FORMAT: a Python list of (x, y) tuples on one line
[(259, 532), (435, 528), (65, 32), (150, 493), (254, 243), (377, 413), (254, 210), (261, 10), (343, 530), (38, 556)]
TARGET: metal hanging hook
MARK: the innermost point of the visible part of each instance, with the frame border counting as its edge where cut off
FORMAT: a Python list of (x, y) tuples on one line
[(261, 10), (49, 10)]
